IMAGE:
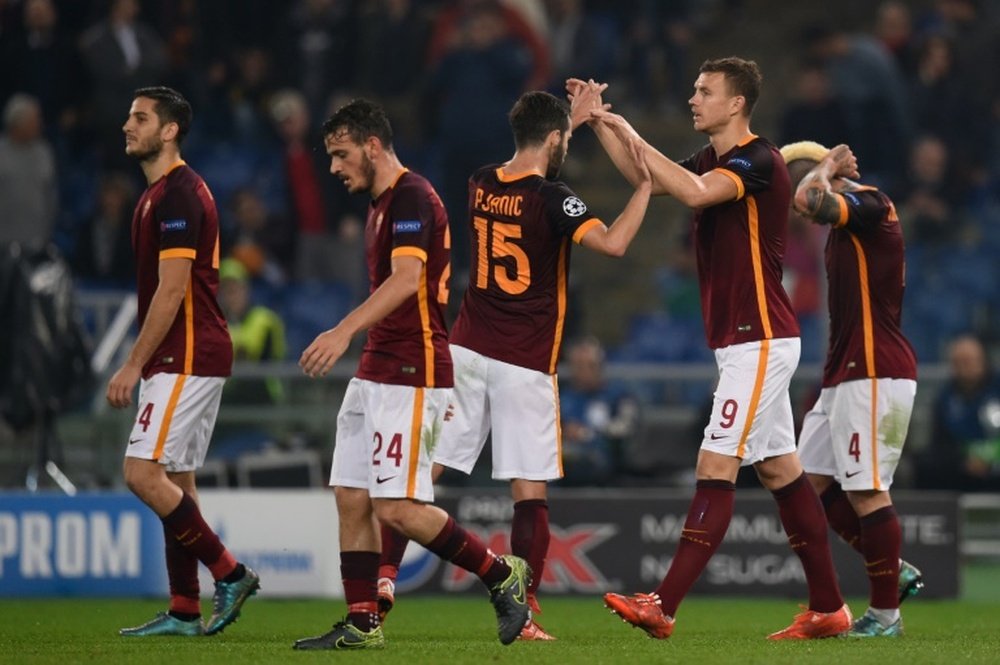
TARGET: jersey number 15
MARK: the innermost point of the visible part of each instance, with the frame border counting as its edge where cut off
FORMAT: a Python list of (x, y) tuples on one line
[(501, 234)]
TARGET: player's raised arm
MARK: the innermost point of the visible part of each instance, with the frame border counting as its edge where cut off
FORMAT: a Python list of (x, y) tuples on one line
[(614, 240)]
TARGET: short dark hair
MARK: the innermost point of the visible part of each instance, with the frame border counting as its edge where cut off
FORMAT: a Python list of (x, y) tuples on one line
[(361, 118), (742, 76), (170, 107), (535, 115)]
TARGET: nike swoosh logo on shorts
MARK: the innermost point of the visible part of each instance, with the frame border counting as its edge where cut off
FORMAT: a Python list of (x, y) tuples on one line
[(713, 437), (384, 480), (131, 441), (851, 475)]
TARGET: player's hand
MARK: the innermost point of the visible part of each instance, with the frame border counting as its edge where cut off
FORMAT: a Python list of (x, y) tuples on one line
[(619, 125), (122, 384), (637, 151), (843, 162), (320, 356), (583, 97)]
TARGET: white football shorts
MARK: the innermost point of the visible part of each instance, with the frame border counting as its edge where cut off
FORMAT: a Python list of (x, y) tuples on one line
[(751, 410), (519, 405), (856, 430), (175, 419), (385, 437)]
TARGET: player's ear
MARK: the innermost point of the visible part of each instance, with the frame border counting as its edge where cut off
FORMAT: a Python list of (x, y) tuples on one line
[(168, 132), (554, 138)]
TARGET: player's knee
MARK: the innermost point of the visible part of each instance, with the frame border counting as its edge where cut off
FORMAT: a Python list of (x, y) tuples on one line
[(393, 513)]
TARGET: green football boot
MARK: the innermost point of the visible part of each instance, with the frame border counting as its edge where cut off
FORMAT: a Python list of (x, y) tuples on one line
[(343, 636), (164, 624), (229, 599), (869, 626), (911, 580)]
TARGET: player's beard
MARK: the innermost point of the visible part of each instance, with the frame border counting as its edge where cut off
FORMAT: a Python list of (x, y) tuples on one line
[(557, 155), (368, 172), (149, 151)]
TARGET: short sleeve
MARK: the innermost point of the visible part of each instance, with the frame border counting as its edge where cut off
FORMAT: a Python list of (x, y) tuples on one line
[(751, 167), (179, 215), (412, 217), (865, 209), (567, 212)]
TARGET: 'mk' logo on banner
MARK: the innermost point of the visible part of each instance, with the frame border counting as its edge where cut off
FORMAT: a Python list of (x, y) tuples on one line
[(567, 566)]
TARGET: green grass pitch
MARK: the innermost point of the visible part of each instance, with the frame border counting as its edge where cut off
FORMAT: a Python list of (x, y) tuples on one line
[(461, 629)]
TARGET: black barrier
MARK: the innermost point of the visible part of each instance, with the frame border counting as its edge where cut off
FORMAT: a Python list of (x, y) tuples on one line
[(611, 540)]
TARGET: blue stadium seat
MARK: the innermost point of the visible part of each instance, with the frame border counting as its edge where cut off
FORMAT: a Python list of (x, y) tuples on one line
[(308, 308)]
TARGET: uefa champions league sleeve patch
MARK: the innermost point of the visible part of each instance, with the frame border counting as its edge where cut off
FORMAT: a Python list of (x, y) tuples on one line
[(573, 206)]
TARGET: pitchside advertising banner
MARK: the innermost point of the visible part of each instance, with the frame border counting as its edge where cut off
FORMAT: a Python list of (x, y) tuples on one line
[(112, 545)]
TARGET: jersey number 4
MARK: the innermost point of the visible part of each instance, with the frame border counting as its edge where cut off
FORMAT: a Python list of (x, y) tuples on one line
[(494, 241)]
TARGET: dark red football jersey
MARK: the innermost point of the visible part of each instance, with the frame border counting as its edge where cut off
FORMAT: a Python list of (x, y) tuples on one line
[(521, 228), (410, 346), (866, 271), (176, 218), (740, 246)]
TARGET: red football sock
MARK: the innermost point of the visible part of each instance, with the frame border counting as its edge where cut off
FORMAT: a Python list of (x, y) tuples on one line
[(358, 571), (393, 547), (802, 516), (841, 516), (529, 536), (465, 550), (182, 572), (189, 528), (707, 520), (881, 544)]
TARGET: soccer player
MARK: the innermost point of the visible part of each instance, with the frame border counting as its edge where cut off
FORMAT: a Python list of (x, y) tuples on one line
[(391, 417), (852, 438), (182, 355), (738, 186), (506, 339)]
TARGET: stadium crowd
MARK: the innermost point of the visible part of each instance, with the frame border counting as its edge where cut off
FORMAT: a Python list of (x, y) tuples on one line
[(903, 83)]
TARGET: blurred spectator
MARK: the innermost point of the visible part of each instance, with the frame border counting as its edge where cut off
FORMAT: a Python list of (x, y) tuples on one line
[(599, 420), (327, 219), (479, 76), (579, 46), (42, 62), (939, 102), (262, 242), (814, 113), (317, 49), (394, 76), (121, 54), (964, 451), (870, 85), (258, 335), (104, 245), (894, 28), (657, 47), (28, 190), (452, 31), (930, 198)]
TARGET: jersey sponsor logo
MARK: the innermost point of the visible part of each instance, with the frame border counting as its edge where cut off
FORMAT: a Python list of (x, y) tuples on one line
[(573, 206), (407, 226), (173, 225), (739, 162)]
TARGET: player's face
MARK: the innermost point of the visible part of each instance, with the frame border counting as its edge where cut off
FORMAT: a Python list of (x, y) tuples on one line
[(557, 155), (350, 162), (712, 103), (143, 130)]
